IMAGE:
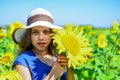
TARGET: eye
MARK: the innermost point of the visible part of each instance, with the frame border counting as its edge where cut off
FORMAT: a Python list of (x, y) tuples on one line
[(46, 31), (34, 32)]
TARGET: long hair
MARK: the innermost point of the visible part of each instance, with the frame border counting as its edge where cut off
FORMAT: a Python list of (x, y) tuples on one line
[(25, 43)]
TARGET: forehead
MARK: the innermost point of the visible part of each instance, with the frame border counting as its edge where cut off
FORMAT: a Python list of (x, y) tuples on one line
[(40, 28)]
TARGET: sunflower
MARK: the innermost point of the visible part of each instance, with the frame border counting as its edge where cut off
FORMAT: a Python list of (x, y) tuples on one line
[(7, 58), (73, 43), (102, 41), (12, 75), (14, 26), (2, 33), (115, 27)]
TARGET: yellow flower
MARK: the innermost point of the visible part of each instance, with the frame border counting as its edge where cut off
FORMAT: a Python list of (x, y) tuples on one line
[(7, 58), (91, 33), (2, 33), (102, 41), (82, 28), (115, 27), (89, 27), (13, 75), (13, 27), (73, 43)]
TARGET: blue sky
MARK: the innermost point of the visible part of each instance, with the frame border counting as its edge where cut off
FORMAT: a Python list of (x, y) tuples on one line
[(99, 13)]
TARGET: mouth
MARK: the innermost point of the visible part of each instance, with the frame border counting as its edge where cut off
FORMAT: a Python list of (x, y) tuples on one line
[(41, 44)]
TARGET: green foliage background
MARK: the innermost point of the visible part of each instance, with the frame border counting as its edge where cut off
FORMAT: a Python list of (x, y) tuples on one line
[(105, 61)]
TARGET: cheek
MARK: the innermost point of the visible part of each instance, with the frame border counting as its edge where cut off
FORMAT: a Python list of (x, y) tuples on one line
[(33, 39), (49, 40), (47, 37)]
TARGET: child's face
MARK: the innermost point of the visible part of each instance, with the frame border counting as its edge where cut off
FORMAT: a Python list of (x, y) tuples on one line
[(40, 37)]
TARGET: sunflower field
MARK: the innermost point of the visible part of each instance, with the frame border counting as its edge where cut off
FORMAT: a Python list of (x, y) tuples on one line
[(102, 63)]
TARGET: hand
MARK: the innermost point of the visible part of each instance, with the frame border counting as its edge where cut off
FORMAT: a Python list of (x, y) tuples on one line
[(63, 60), (58, 68), (56, 71)]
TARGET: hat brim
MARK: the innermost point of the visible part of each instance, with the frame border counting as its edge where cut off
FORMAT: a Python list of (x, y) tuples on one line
[(18, 33)]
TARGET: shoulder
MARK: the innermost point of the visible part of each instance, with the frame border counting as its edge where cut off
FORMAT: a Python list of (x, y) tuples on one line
[(26, 54), (24, 58)]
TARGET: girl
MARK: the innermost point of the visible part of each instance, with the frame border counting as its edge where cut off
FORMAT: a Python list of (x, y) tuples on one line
[(37, 59)]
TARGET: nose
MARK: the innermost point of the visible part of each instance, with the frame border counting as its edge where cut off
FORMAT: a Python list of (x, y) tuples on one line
[(41, 36)]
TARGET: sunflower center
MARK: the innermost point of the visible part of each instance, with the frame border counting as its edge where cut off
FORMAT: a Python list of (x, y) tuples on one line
[(71, 44)]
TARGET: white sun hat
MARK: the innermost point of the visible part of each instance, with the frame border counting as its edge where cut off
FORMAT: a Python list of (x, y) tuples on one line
[(37, 17)]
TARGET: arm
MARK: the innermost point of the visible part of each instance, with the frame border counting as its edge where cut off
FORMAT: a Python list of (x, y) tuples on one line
[(24, 72), (56, 71), (59, 68), (70, 75), (64, 62)]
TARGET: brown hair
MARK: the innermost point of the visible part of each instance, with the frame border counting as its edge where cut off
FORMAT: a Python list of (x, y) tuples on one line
[(25, 43)]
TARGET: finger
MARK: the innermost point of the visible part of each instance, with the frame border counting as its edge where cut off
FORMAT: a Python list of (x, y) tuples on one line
[(64, 64), (62, 54), (63, 60)]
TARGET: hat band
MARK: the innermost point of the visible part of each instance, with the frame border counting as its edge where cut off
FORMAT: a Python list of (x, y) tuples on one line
[(39, 17)]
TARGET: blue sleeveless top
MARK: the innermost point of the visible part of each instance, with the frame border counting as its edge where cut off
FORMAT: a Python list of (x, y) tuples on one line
[(38, 69)]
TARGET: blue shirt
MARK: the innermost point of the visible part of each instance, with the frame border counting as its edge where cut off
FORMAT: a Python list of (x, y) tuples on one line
[(38, 69)]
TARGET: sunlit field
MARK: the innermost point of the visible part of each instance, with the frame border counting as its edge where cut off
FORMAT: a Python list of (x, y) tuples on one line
[(104, 58)]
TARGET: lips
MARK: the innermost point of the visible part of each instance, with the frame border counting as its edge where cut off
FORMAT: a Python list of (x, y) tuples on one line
[(41, 44)]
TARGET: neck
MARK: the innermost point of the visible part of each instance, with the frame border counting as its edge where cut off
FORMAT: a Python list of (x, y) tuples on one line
[(40, 52)]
